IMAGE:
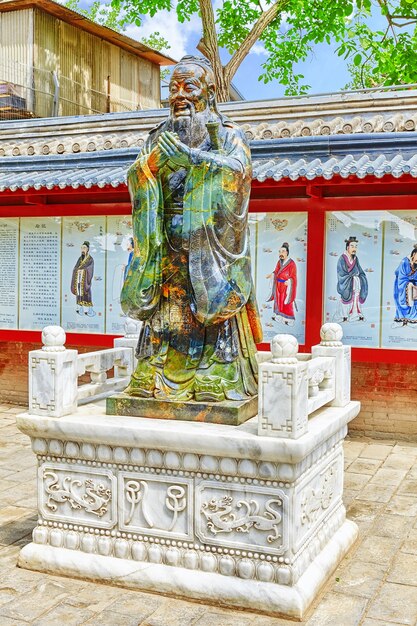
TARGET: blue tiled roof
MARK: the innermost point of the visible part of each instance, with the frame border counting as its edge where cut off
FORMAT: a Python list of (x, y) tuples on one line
[(363, 155), (305, 157), (86, 170), (379, 165), (74, 178)]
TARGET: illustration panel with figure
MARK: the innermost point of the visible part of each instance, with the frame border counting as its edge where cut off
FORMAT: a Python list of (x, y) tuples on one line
[(119, 255), (281, 255), (352, 293), (83, 274), (399, 311)]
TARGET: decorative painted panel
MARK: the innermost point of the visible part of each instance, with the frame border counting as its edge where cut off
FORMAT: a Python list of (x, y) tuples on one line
[(371, 277), (279, 262)]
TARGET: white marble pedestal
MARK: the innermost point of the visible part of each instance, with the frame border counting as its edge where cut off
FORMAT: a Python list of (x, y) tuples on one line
[(202, 511)]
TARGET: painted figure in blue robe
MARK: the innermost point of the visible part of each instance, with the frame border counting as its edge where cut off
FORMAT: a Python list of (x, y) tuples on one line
[(352, 284), (405, 290)]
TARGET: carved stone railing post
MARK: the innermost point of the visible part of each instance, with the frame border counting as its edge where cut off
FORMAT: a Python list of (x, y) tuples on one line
[(331, 345), (130, 340), (53, 376), (283, 391)]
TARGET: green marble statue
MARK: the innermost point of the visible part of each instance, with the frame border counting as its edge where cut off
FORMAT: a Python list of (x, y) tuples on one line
[(190, 279)]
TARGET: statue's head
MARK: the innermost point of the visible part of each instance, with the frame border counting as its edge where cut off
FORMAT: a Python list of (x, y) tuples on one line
[(192, 88)]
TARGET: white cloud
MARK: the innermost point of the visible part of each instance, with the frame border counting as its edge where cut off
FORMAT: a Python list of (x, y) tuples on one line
[(166, 23), (259, 49)]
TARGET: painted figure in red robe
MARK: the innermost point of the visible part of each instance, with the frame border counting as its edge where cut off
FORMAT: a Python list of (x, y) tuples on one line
[(284, 287)]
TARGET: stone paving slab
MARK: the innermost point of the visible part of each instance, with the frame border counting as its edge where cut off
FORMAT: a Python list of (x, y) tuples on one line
[(375, 585)]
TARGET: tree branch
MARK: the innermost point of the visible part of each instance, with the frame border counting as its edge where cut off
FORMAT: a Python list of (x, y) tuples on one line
[(403, 17), (263, 22), (404, 23), (201, 46), (209, 46), (383, 5)]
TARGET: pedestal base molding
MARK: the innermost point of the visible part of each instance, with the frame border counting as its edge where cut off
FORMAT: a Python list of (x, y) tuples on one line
[(197, 585)]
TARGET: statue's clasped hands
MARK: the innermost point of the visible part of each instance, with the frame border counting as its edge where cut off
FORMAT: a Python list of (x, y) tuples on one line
[(173, 149)]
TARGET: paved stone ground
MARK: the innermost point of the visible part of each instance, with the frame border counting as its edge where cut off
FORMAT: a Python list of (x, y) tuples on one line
[(375, 585)]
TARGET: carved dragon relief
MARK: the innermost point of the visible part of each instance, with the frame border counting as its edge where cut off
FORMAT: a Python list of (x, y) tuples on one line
[(223, 516), (79, 493)]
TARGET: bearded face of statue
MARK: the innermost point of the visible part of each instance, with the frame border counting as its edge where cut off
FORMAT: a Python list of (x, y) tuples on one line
[(190, 91)]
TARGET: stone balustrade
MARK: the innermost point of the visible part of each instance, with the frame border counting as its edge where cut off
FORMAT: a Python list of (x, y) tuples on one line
[(292, 386), (54, 371)]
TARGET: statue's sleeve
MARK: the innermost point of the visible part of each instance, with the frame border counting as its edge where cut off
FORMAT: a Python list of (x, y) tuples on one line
[(142, 285), (215, 229)]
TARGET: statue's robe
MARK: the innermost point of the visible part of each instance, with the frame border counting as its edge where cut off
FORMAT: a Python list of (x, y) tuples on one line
[(81, 280), (406, 307), (352, 286), (190, 278), (284, 294)]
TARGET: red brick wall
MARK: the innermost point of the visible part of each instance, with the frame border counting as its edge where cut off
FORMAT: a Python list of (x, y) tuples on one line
[(14, 370), (388, 395), (387, 392)]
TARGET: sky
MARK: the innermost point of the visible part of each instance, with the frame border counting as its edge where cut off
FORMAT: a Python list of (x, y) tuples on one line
[(324, 71)]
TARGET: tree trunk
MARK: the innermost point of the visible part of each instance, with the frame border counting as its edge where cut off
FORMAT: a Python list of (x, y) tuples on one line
[(210, 48), (220, 75), (222, 87)]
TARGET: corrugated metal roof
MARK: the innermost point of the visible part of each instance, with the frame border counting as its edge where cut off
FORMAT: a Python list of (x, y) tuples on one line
[(304, 157), (79, 20)]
